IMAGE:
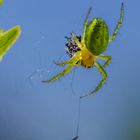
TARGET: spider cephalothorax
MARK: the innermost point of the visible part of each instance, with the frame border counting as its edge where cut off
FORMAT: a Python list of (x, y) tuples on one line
[(72, 48), (85, 50)]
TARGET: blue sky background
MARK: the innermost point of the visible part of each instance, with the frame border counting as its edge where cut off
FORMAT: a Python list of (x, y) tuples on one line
[(31, 110)]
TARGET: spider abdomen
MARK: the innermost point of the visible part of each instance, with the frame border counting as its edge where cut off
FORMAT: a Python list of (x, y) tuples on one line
[(97, 36)]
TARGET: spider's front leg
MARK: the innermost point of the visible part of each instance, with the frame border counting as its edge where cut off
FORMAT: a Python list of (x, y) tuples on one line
[(72, 63), (65, 71), (85, 25), (118, 25), (64, 63), (104, 74)]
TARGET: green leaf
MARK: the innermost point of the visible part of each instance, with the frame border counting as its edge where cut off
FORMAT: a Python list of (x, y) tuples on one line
[(1, 1), (8, 38)]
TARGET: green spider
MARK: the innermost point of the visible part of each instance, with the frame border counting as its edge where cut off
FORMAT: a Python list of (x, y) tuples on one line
[(86, 49)]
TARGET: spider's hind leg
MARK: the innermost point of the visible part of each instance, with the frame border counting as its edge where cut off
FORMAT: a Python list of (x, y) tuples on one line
[(107, 60), (104, 74), (118, 25)]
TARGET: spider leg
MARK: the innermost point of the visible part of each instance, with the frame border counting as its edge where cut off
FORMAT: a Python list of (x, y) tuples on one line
[(70, 61), (85, 25), (73, 61), (84, 30), (106, 58), (76, 40), (118, 25), (56, 77), (62, 63), (104, 74)]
